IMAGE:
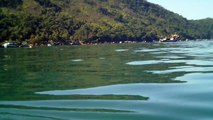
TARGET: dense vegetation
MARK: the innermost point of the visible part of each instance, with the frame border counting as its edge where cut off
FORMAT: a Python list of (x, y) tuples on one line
[(40, 22)]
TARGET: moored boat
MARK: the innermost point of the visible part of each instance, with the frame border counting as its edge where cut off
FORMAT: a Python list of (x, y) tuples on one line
[(173, 38), (9, 44)]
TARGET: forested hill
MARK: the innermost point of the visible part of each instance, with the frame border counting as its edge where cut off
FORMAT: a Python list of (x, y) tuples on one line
[(62, 21)]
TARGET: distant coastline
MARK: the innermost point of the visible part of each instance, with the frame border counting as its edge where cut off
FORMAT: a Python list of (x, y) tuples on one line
[(12, 44), (78, 22)]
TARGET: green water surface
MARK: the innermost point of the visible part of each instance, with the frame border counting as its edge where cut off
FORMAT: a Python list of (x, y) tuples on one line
[(158, 81)]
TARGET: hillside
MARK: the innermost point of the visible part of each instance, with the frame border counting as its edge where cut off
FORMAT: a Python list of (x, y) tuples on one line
[(63, 21)]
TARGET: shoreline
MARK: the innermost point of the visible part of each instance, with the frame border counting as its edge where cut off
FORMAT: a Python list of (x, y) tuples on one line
[(13, 44)]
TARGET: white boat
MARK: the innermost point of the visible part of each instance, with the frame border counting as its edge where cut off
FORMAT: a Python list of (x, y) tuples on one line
[(168, 40), (173, 38), (9, 45)]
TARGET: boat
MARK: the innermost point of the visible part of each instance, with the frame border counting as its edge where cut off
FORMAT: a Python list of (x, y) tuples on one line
[(10, 45), (168, 40), (173, 38)]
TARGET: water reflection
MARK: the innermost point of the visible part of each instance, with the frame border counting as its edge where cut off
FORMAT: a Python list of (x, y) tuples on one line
[(121, 50), (77, 60), (167, 61), (183, 101), (42, 82)]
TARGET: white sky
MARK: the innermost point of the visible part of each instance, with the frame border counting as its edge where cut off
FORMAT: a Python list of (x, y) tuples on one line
[(190, 9)]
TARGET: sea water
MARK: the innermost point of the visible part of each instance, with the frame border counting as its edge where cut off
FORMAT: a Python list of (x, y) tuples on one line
[(40, 83)]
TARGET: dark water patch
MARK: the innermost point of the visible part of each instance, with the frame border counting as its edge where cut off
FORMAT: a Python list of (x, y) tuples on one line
[(63, 94), (60, 109), (23, 116)]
